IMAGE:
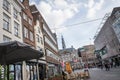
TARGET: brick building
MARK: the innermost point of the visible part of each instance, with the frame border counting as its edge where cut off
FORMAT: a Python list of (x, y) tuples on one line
[(28, 24), (88, 56)]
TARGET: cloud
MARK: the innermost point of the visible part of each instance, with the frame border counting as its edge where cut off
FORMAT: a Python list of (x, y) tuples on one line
[(57, 12), (93, 8)]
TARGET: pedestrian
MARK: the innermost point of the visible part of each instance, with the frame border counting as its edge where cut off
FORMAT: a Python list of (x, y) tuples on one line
[(107, 67), (114, 64), (111, 64), (41, 73), (64, 75)]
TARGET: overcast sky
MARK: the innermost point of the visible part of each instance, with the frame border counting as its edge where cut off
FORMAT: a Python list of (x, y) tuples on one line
[(60, 14)]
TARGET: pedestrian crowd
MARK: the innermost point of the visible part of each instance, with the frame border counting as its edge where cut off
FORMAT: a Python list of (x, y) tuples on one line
[(107, 65)]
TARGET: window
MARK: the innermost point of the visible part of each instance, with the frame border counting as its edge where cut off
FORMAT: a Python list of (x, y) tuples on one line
[(6, 39), (15, 14), (38, 48), (6, 22), (16, 29), (37, 37), (18, 72), (25, 32), (24, 16), (38, 29), (41, 40), (30, 21), (6, 5), (31, 36)]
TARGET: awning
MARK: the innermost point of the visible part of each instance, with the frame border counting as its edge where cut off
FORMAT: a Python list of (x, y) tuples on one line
[(14, 51)]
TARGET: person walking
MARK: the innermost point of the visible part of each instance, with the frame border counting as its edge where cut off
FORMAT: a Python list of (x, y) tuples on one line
[(107, 67), (41, 73), (64, 75)]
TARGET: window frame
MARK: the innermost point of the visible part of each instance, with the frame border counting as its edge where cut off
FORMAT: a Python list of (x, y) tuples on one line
[(25, 32), (24, 16), (17, 27), (30, 21), (6, 38), (6, 5), (15, 14), (31, 36), (6, 22)]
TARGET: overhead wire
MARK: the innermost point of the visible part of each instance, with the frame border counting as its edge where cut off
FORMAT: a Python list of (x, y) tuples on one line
[(71, 25)]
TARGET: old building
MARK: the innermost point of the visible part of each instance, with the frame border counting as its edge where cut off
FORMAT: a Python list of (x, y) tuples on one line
[(88, 56), (107, 40), (31, 67), (11, 30), (28, 25), (51, 50), (39, 42), (10, 21), (69, 55)]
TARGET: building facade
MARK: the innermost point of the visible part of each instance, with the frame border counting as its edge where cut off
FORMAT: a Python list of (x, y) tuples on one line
[(39, 41), (11, 30), (70, 55), (11, 27), (88, 56), (24, 23), (28, 24), (51, 50), (107, 40)]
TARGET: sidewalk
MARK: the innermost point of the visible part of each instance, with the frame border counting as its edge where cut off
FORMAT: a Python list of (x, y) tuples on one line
[(102, 74)]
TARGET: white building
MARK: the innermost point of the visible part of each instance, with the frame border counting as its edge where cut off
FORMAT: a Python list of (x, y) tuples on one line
[(39, 41), (51, 50), (10, 21), (11, 25)]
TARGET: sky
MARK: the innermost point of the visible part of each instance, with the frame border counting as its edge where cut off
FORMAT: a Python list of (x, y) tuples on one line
[(64, 18)]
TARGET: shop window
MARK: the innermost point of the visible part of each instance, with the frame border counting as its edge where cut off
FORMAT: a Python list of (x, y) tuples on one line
[(31, 72), (11, 72)]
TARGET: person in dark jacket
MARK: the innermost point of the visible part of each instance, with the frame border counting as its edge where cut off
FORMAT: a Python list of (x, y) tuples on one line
[(64, 75), (41, 73), (107, 66)]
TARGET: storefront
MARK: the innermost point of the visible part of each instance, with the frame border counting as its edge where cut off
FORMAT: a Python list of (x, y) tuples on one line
[(11, 72), (15, 61)]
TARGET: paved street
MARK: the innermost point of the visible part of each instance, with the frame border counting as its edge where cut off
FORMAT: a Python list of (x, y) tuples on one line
[(98, 74)]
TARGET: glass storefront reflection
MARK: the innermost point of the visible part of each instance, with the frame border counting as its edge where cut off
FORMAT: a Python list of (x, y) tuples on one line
[(31, 70), (18, 72)]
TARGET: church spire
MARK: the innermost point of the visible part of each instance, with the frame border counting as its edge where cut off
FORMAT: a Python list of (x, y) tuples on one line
[(63, 43)]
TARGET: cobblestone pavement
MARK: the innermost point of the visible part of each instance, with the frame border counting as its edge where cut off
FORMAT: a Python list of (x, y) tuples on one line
[(98, 74)]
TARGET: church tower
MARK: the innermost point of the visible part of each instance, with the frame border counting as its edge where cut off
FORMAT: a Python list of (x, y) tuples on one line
[(63, 43)]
